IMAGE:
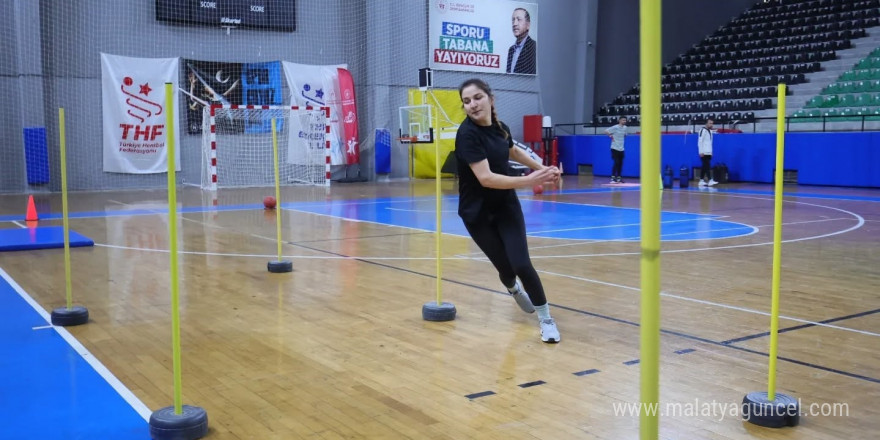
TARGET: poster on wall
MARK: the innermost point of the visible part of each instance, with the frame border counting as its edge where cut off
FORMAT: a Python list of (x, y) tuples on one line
[(495, 36), (318, 86), (134, 113), (208, 83)]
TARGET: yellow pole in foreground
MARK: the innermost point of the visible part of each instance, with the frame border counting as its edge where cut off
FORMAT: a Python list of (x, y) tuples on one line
[(777, 242), (172, 245), (439, 221), (277, 190), (63, 137), (650, 35)]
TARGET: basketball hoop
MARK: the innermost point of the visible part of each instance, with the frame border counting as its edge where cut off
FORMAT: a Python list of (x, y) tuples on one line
[(408, 139)]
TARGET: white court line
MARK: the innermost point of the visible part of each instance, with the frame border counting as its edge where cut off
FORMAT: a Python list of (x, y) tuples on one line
[(16, 223), (710, 303), (420, 210), (861, 222), (42, 327), (120, 388)]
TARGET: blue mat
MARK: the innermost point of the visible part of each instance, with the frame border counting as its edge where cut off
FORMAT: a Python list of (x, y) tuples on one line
[(46, 237)]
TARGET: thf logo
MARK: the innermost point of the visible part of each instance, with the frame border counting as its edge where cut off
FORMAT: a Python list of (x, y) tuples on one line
[(140, 108)]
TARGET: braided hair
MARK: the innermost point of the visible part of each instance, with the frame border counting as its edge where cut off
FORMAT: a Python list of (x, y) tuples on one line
[(482, 85)]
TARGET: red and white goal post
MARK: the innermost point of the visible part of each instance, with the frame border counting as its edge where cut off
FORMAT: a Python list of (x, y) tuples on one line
[(237, 146)]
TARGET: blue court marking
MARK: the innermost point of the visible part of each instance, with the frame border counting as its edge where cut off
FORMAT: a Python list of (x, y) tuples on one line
[(544, 219), (796, 194), (48, 390)]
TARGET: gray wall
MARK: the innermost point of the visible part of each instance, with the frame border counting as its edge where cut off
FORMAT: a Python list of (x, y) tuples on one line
[(685, 23)]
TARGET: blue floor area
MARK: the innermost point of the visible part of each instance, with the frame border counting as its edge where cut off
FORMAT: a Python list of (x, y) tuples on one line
[(544, 218), (48, 390)]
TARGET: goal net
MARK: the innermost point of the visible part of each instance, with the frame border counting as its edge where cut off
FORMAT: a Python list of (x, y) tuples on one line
[(237, 146)]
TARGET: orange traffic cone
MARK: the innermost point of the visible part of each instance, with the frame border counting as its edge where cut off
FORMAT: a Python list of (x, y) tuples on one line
[(31, 210)]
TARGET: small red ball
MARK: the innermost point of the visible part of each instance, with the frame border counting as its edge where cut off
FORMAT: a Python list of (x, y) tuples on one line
[(538, 189), (269, 202)]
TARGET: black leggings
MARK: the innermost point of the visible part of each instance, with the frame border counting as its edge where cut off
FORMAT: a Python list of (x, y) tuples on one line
[(617, 157), (706, 170), (502, 237)]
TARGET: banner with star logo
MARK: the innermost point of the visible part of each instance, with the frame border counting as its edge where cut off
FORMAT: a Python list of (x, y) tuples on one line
[(134, 113), (316, 86)]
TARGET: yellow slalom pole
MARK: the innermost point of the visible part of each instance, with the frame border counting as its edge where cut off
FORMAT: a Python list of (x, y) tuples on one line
[(63, 137), (777, 242), (439, 221), (172, 245), (650, 16), (277, 189)]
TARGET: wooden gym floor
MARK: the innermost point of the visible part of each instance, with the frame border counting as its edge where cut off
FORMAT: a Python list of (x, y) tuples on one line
[(337, 348)]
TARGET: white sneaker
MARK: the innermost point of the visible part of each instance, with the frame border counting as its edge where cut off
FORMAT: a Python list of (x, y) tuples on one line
[(549, 332), (712, 182), (702, 183), (522, 298)]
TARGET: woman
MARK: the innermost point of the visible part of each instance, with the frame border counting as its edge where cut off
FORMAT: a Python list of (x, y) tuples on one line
[(488, 204)]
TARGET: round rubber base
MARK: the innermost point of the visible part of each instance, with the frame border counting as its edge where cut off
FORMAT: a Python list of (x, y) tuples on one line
[(758, 410), (433, 312), (65, 317), (280, 266), (190, 424)]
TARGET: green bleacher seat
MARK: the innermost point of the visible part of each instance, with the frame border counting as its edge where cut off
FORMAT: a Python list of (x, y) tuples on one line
[(814, 102), (864, 63), (849, 75), (864, 100), (847, 100), (829, 101), (874, 74), (873, 86), (831, 112)]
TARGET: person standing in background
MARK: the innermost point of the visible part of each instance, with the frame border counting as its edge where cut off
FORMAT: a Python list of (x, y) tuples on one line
[(617, 133), (705, 147)]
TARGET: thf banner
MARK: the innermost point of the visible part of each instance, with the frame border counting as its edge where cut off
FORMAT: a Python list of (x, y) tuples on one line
[(496, 36), (134, 113), (349, 117), (316, 86)]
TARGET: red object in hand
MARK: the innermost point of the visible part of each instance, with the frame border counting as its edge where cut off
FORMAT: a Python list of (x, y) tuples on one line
[(269, 202), (538, 189)]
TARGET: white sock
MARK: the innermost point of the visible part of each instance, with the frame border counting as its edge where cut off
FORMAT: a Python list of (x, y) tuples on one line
[(543, 312)]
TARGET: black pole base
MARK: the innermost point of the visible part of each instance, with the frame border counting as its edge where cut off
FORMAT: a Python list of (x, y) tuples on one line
[(432, 311), (190, 424), (758, 410), (280, 266), (76, 315)]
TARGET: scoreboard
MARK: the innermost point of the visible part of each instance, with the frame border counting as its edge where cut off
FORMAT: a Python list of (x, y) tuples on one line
[(276, 15)]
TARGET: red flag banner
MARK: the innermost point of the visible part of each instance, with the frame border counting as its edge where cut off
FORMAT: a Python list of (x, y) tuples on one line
[(349, 117)]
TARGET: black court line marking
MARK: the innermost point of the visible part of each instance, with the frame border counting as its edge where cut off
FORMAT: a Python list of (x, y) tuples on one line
[(802, 326), (632, 362), (586, 372), (686, 351), (358, 237), (619, 320), (480, 394), (531, 384)]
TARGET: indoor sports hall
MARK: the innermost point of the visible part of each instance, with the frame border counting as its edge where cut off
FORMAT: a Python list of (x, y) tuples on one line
[(240, 219)]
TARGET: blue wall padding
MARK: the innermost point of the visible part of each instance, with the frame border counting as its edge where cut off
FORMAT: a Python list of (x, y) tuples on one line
[(36, 155), (835, 159), (383, 151)]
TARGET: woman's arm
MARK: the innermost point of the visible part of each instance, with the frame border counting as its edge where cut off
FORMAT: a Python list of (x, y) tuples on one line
[(519, 155), (497, 181)]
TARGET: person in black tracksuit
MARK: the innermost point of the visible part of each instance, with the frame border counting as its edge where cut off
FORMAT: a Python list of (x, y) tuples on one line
[(488, 204)]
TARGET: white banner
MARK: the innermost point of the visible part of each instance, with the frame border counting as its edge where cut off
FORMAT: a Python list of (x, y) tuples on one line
[(133, 101), (315, 86), (495, 36)]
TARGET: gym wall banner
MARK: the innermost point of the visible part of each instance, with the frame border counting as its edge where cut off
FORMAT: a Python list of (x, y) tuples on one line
[(494, 36)]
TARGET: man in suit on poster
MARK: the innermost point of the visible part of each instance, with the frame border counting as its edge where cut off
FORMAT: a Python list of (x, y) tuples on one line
[(521, 55)]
